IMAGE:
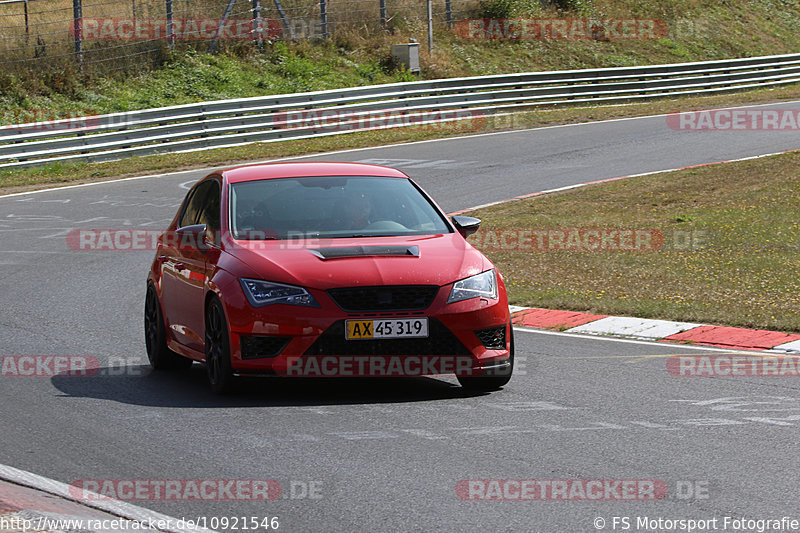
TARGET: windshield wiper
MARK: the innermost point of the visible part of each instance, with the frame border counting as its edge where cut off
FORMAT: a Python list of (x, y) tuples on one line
[(256, 236), (363, 235)]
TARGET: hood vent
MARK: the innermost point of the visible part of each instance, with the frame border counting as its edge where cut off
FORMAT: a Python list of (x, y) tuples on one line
[(365, 251)]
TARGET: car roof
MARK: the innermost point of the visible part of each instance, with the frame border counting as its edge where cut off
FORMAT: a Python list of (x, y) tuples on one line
[(307, 169)]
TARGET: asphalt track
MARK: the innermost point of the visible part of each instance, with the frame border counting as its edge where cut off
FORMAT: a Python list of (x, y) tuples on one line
[(387, 455)]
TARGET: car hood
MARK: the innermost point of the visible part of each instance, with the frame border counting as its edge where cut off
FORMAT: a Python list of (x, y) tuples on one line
[(416, 260)]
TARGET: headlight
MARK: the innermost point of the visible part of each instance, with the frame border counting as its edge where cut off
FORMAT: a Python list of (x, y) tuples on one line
[(482, 285), (261, 293)]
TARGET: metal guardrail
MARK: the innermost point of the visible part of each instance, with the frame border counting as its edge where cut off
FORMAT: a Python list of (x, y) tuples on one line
[(229, 123)]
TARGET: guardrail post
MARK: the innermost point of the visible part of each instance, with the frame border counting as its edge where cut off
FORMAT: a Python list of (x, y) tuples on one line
[(323, 17), (77, 15), (170, 25)]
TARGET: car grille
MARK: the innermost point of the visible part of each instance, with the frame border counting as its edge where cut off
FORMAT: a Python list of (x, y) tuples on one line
[(261, 346), (493, 338), (440, 341), (384, 298)]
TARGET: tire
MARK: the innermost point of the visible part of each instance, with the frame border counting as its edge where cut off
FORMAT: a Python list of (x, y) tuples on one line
[(218, 349), (155, 336), (497, 379)]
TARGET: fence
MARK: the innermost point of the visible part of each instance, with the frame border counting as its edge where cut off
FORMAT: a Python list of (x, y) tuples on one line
[(120, 33), (303, 115)]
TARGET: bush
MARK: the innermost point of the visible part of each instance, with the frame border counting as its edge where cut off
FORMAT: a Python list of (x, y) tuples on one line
[(580, 6), (497, 9), (512, 8)]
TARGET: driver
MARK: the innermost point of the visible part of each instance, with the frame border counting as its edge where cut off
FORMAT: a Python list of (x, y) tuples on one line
[(353, 212)]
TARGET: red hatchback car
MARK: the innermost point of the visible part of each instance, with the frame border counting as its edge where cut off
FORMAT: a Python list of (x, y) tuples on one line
[(324, 269)]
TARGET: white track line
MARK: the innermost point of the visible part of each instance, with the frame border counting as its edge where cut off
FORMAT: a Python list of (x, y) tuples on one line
[(663, 344), (616, 178)]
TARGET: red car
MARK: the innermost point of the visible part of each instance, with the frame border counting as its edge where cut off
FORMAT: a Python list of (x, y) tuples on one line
[(324, 269)]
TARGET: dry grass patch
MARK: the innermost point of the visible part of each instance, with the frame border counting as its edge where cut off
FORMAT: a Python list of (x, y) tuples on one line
[(743, 268)]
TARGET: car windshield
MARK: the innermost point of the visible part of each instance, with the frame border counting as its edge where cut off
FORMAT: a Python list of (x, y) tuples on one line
[(331, 207)]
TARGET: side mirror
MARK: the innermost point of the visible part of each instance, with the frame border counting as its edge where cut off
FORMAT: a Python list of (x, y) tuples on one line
[(466, 226), (193, 236)]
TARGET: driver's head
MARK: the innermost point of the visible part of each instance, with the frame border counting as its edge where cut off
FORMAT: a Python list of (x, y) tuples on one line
[(354, 211)]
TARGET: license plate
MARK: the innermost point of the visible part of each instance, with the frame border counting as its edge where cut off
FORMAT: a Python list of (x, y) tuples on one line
[(395, 328)]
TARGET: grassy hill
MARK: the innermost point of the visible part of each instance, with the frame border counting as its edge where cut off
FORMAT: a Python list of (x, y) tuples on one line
[(359, 55)]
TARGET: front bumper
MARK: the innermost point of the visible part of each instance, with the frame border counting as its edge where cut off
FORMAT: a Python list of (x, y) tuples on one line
[(469, 336)]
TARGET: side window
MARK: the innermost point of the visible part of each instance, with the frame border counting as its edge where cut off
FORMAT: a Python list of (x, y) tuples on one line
[(190, 211), (203, 206), (209, 213)]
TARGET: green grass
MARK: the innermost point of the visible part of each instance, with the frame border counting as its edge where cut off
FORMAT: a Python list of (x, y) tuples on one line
[(743, 271), (355, 55), (190, 76)]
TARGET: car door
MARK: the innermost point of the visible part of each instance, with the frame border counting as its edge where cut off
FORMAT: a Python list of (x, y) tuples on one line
[(184, 271)]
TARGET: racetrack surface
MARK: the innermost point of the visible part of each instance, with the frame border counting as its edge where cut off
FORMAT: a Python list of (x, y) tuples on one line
[(386, 455)]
